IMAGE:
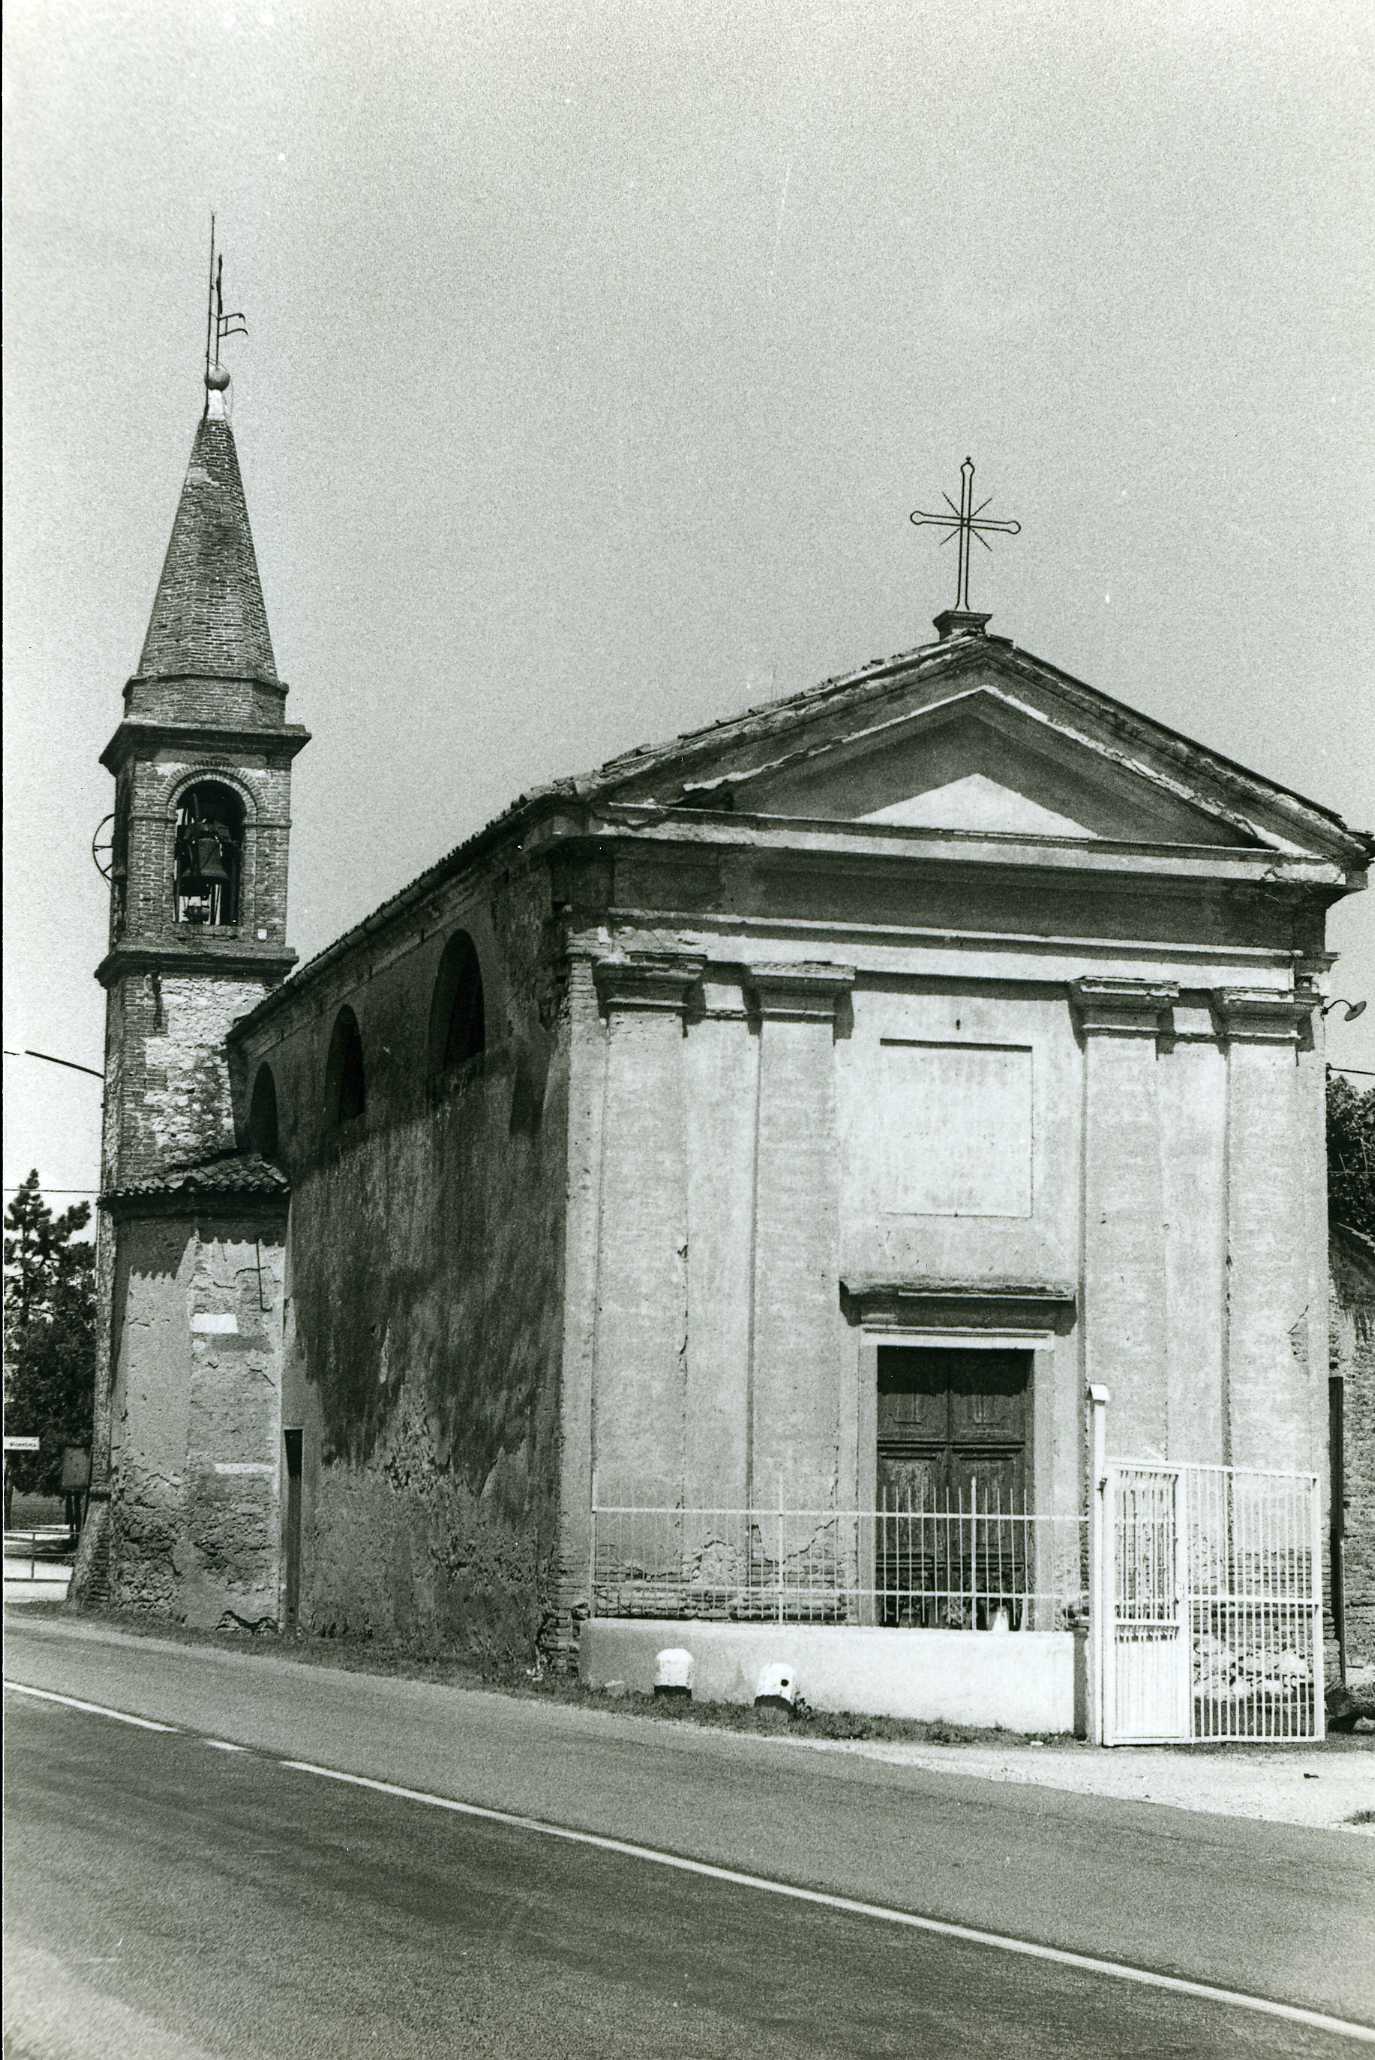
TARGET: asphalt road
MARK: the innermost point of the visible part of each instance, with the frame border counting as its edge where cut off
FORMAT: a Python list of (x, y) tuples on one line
[(167, 1899)]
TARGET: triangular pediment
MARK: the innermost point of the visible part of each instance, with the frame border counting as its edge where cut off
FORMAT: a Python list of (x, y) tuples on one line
[(976, 737), (980, 762), (978, 801)]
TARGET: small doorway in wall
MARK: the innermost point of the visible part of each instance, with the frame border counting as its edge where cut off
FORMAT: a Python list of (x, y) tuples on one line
[(950, 1544), (293, 1528)]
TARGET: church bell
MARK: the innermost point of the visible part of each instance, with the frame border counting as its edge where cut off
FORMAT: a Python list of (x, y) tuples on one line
[(205, 868)]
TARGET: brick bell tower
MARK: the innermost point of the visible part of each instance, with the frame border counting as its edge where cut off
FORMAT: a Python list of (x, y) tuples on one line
[(201, 761), (198, 880)]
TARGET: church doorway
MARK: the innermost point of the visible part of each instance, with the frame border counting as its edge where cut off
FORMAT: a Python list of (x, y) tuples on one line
[(950, 1543)]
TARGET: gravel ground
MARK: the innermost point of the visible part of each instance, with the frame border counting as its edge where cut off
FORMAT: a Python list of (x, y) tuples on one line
[(1322, 1786)]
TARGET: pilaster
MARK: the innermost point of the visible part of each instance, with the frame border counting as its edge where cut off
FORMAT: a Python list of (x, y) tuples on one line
[(1269, 1235), (640, 1383), (586, 1092), (1124, 1309), (721, 1054), (1193, 1131), (794, 1358)]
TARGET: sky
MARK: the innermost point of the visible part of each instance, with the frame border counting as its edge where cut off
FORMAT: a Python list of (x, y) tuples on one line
[(597, 355)]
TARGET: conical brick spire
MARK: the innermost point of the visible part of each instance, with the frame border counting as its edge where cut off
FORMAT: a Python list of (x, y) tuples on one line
[(208, 619)]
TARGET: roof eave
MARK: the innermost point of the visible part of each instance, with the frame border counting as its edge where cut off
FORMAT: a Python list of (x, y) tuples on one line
[(542, 805)]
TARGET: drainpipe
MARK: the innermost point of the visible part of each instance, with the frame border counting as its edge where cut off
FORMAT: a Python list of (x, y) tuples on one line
[(1100, 1602), (1336, 1514)]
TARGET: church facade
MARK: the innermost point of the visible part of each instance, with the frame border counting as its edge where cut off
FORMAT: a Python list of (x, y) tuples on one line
[(800, 1117)]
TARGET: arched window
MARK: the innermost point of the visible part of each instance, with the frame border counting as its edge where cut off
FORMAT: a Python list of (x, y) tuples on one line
[(458, 1027), (208, 858), (262, 1115), (345, 1087)]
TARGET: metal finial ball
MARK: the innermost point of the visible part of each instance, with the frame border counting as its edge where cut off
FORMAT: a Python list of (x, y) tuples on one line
[(217, 378)]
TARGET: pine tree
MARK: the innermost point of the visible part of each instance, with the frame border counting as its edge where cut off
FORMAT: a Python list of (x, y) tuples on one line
[(49, 1335)]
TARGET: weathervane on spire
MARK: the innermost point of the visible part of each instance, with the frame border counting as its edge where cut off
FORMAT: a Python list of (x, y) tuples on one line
[(218, 325), (964, 523)]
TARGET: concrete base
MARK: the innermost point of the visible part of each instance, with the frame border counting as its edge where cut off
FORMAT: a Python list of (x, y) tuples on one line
[(1023, 1681)]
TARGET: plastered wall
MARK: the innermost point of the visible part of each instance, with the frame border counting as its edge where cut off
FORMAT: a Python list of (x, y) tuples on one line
[(1128, 1131), (196, 1416), (423, 1315)]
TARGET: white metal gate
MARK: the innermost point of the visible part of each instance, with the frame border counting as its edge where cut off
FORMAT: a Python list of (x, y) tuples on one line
[(1144, 1657), (1210, 1592)]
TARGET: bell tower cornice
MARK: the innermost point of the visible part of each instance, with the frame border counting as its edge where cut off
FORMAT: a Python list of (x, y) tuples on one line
[(142, 737), (225, 957)]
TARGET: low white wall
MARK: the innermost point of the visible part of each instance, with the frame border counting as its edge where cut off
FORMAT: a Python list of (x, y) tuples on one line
[(1023, 1680)]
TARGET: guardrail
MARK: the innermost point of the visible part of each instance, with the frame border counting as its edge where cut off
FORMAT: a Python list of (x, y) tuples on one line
[(46, 1546)]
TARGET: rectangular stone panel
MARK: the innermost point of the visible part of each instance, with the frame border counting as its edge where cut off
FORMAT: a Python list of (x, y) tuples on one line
[(956, 1129)]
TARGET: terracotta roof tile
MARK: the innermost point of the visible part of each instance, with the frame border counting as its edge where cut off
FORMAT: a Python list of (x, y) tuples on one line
[(225, 1173)]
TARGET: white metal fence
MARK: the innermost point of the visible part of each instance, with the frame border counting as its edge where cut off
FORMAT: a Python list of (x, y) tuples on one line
[(1211, 1589), (1254, 1602), (905, 1565), (1206, 1584)]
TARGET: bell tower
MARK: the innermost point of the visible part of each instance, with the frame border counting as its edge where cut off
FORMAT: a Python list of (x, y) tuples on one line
[(190, 1234), (198, 864)]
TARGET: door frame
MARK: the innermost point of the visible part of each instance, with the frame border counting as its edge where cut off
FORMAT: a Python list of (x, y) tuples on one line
[(946, 1496), (1038, 1343), (962, 1331)]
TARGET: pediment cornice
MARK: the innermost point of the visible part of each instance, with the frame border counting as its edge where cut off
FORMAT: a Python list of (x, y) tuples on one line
[(983, 679)]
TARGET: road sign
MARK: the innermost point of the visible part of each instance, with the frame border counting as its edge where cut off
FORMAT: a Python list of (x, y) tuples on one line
[(23, 1444)]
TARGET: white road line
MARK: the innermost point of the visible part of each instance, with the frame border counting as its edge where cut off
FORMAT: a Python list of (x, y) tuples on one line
[(1028, 1949), (92, 1709)]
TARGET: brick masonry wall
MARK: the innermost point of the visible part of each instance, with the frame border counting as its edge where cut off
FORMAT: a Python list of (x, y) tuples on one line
[(167, 1076), (154, 787), (203, 699), (167, 1091), (208, 615), (1352, 1336)]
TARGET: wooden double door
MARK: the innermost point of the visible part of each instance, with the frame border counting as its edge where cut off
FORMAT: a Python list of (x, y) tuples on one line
[(950, 1546)]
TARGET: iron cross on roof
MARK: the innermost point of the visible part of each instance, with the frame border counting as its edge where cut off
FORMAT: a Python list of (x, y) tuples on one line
[(964, 523)]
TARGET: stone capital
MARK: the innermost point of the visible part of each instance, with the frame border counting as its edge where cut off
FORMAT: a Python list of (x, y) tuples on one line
[(1126, 1008), (1261, 1015), (653, 982), (806, 992)]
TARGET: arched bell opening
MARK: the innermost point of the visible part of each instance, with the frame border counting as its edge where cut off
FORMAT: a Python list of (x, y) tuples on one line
[(208, 854)]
